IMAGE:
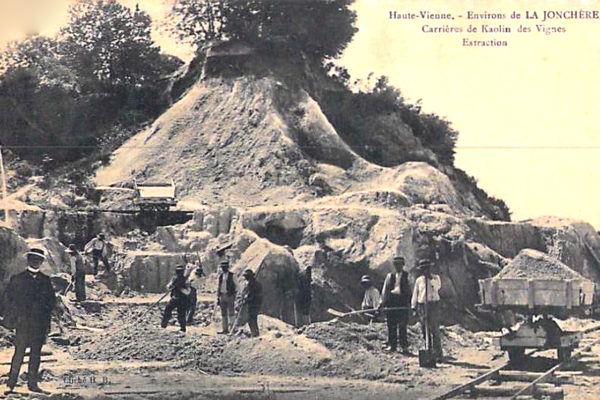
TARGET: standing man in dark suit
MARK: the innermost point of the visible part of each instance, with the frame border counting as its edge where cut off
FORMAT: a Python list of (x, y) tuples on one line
[(29, 301), (77, 272), (396, 293), (304, 296), (253, 300)]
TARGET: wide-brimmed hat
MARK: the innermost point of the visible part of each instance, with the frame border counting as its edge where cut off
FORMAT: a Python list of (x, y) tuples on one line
[(224, 263), (179, 268), (72, 248), (398, 258), (365, 279), (248, 273), (424, 264), (36, 252)]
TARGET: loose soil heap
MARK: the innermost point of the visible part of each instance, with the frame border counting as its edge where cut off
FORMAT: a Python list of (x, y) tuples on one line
[(333, 349), (537, 265)]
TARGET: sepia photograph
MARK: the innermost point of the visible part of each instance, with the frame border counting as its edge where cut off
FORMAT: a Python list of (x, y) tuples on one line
[(299, 199)]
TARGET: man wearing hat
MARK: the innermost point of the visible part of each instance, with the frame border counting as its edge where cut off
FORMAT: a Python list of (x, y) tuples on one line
[(226, 291), (396, 294), (253, 301), (193, 274), (29, 302), (97, 246), (371, 298), (179, 298), (77, 272), (304, 296), (427, 287)]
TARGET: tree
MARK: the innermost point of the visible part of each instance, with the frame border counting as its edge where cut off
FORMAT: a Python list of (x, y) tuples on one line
[(39, 55), (101, 74), (198, 21), (320, 29), (109, 45)]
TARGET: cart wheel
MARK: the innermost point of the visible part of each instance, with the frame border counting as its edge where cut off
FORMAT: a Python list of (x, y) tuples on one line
[(516, 355), (564, 353)]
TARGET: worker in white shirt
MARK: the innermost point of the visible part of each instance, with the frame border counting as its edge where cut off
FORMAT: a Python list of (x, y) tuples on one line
[(193, 274), (371, 298), (427, 286), (97, 246)]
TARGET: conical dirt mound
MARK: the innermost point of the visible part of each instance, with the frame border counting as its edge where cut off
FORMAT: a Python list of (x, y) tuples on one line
[(245, 140)]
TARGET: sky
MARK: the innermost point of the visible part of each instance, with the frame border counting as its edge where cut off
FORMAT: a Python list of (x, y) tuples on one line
[(526, 113)]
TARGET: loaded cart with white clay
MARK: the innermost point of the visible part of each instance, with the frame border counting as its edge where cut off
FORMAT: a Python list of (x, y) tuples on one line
[(155, 197), (542, 289)]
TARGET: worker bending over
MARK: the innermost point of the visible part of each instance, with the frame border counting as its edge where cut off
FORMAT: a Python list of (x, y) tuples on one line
[(180, 291)]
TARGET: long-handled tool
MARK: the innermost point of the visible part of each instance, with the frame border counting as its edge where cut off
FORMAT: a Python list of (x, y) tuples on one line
[(340, 314), (426, 356), (68, 288), (237, 318), (151, 306)]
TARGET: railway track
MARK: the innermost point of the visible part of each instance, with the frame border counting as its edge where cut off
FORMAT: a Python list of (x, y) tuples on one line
[(506, 382)]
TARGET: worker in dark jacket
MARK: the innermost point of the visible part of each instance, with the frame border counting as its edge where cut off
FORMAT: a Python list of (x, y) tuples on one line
[(29, 301), (226, 291), (396, 293), (253, 301), (77, 272), (304, 296), (180, 291)]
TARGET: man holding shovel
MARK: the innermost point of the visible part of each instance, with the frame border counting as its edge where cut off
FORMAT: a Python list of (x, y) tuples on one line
[(426, 302), (396, 294)]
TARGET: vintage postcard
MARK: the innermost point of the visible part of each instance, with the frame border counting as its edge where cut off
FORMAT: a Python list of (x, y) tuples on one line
[(299, 199)]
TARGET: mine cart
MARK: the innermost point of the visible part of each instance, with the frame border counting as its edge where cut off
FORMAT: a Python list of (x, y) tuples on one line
[(538, 300), (155, 196)]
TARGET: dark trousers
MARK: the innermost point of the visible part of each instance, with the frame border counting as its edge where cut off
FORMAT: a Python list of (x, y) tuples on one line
[(192, 301), (253, 321), (80, 287), (175, 303), (99, 255), (35, 355), (397, 321)]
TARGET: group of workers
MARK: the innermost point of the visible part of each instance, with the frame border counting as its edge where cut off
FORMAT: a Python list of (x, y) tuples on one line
[(184, 287), (397, 301), (30, 298)]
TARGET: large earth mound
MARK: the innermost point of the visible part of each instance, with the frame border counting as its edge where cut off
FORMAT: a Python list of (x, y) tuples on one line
[(248, 141)]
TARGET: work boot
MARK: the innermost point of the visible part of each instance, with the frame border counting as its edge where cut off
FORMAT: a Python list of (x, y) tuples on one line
[(33, 387), (406, 351), (389, 349)]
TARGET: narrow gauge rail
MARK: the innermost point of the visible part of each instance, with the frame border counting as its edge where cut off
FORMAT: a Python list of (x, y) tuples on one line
[(537, 384)]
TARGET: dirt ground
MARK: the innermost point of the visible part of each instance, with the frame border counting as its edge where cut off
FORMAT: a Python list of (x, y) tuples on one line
[(115, 349)]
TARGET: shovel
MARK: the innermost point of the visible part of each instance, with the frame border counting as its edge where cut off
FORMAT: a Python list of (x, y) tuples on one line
[(427, 357), (340, 314)]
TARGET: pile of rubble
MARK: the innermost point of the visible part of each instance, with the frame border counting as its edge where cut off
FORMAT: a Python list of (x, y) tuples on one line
[(534, 264)]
